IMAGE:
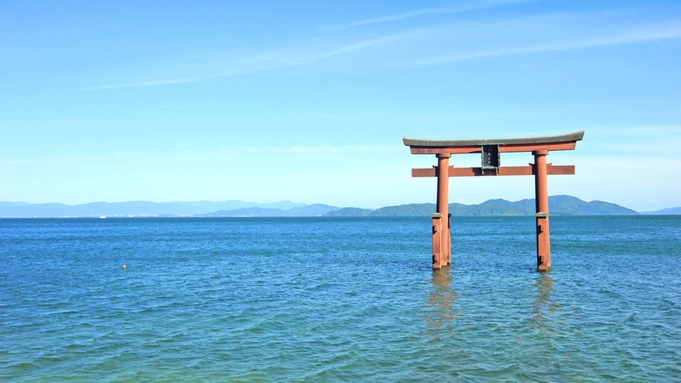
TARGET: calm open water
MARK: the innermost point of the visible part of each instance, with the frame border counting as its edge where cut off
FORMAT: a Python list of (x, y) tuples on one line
[(323, 299)]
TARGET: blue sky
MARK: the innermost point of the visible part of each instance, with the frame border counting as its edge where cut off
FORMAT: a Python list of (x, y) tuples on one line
[(308, 101)]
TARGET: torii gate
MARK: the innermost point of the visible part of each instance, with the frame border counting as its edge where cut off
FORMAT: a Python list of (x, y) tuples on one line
[(490, 150)]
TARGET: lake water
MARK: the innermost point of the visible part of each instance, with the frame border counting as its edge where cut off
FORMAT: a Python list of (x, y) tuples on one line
[(322, 299)]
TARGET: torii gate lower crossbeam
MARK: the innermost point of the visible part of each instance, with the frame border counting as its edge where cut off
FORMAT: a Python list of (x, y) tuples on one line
[(490, 150)]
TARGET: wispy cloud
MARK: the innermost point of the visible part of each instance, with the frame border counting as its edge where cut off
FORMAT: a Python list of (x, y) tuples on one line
[(236, 66), (189, 79), (151, 83), (321, 149), (422, 13), (220, 154), (409, 15), (650, 33), (419, 45), (640, 141)]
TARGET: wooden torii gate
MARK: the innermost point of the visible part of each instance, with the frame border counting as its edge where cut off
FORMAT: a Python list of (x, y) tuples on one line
[(491, 150)]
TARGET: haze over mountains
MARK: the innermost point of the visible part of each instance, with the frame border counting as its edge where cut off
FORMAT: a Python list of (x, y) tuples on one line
[(667, 211), (133, 208), (558, 205)]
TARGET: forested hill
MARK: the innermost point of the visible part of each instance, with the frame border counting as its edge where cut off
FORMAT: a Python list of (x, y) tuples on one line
[(558, 205)]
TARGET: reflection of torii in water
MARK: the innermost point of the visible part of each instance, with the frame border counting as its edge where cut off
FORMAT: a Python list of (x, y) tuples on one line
[(544, 305), (490, 150), (442, 300)]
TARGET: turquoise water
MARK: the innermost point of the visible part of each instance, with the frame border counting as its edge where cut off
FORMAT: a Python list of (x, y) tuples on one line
[(315, 299)]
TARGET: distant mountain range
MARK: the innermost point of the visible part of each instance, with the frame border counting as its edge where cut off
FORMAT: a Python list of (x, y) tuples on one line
[(668, 211), (134, 208), (558, 205)]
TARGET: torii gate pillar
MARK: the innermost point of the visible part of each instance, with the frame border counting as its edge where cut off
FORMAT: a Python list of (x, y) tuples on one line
[(442, 253), (541, 191), (490, 150)]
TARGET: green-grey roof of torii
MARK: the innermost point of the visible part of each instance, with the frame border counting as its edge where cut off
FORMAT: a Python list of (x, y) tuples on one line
[(576, 136)]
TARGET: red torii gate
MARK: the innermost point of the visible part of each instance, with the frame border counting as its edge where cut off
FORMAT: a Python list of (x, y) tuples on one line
[(490, 150)]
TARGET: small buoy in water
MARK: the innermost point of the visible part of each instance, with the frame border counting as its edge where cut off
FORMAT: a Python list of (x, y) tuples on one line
[(125, 267)]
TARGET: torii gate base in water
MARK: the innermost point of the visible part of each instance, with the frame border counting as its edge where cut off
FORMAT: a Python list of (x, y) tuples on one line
[(490, 150)]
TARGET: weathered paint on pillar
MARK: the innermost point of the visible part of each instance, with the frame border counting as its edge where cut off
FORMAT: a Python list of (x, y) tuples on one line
[(542, 208), (443, 205), (437, 240), (449, 239)]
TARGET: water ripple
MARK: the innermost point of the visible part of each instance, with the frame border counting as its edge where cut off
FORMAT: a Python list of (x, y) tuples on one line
[(338, 300)]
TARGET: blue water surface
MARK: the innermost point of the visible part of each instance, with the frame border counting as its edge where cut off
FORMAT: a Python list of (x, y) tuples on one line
[(338, 299)]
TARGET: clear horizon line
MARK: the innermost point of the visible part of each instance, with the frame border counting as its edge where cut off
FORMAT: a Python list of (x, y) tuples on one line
[(300, 204)]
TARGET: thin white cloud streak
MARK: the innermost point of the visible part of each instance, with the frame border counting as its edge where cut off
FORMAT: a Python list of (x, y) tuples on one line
[(667, 33), (403, 16), (639, 141), (656, 143), (177, 80), (638, 131), (422, 12), (434, 40), (204, 155), (657, 149), (149, 83), (352, 48), (254, 64)]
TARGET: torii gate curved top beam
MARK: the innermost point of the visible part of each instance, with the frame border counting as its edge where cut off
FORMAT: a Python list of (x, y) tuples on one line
[(506, 145), (491, 166)]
